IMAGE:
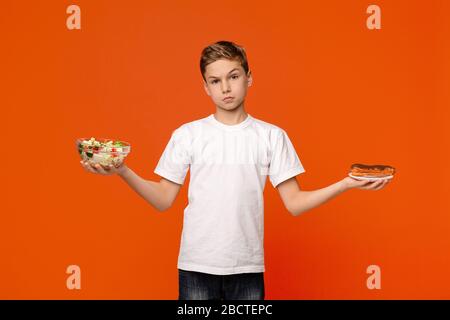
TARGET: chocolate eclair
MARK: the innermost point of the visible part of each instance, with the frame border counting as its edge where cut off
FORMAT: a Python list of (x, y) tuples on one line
[(372, 171)]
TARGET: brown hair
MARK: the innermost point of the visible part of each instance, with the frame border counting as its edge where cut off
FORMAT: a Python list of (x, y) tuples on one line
[(223, 50)]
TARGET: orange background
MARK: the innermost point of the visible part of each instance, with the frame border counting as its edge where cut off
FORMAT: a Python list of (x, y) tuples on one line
[(343, 93)]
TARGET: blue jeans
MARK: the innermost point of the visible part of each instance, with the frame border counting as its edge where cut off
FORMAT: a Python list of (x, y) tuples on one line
[(204, 286)]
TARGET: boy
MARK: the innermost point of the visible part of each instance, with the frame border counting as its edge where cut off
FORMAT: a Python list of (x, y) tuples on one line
[(230, 154)]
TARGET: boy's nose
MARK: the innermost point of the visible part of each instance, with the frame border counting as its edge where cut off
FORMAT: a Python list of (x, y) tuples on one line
[(225, 87)]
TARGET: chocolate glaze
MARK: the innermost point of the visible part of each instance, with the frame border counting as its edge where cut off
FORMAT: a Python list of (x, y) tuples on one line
[(372, 166)]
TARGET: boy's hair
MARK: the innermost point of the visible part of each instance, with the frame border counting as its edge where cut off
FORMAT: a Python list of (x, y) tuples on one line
[(223, 50)]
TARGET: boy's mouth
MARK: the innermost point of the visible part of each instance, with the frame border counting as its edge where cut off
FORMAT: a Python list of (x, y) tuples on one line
[(228, 99)]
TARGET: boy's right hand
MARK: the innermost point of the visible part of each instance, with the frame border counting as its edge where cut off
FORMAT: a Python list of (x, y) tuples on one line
[(99, 169)]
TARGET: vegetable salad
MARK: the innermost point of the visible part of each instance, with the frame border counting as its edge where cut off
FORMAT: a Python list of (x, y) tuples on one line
[(104, 152)]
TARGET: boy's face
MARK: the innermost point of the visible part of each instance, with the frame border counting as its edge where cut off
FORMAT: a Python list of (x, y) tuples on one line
[(227, 78)]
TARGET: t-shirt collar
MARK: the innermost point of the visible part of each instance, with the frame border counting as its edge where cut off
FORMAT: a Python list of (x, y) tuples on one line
[(221, 125)]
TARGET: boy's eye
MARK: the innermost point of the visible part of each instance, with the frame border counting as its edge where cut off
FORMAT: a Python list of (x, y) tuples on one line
[(234, 76)]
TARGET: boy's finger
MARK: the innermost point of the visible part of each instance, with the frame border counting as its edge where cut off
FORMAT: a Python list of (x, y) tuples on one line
[(381, 186), (371, 184), (91, 168), (86, 166), (108, 169), (368, 182), (105, 169), (99, 169), (378, 185)]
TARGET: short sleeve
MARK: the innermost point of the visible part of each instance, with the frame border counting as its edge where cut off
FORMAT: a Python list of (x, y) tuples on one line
[(284, 161), (175, 160)]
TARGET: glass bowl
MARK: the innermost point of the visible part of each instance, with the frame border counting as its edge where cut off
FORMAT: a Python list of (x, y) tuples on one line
[(103, 151)]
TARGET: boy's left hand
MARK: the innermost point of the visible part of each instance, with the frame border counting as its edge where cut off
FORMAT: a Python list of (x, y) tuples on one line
[(351, 183)]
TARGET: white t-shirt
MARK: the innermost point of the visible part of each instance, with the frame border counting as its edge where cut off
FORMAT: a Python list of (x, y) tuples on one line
[(223, 226)]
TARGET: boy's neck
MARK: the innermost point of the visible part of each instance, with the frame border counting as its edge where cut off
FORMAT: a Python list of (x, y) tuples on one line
[(231, 117)]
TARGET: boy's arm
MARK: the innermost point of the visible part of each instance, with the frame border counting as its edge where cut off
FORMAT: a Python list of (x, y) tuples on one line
[(297, 201), (160, 195)]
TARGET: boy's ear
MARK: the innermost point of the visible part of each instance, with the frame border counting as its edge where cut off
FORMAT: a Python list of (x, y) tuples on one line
[(250, 78)]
